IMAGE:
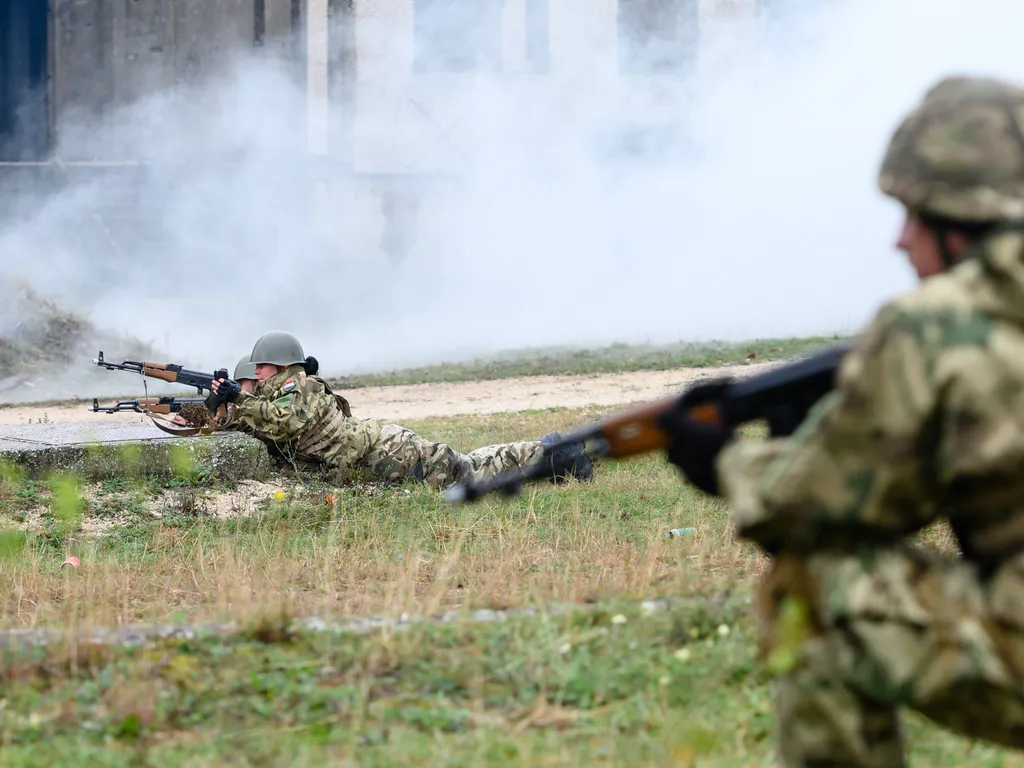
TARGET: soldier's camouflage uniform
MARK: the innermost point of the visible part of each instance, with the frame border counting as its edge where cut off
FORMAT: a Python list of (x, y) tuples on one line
[(926, 422), (302, 417)]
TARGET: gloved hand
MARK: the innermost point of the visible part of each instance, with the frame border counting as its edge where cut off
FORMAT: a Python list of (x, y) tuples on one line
[(227, 391), (695, 445)]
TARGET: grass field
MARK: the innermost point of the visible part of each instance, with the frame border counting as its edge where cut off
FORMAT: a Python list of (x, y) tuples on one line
[(582, 671)]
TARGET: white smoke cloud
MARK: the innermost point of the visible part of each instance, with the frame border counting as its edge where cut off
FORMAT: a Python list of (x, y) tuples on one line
[(760, 216)]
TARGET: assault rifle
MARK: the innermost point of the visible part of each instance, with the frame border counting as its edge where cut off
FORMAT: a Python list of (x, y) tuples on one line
[(174, 374), (148, 405), (781, 396), (166, 371)]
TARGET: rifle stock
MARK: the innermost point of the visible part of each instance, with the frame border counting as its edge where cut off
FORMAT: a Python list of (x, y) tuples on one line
[(781, 396)]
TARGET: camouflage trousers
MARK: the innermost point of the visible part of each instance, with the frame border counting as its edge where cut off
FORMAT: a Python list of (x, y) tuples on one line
[(888, 629), (398, 453)]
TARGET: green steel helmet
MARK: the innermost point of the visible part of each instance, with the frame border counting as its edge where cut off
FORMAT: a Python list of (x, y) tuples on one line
[(277, 348), (960, 153), (244, 370)]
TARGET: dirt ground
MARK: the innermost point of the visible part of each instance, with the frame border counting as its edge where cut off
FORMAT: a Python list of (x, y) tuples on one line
[(415, 401), (242, 501)]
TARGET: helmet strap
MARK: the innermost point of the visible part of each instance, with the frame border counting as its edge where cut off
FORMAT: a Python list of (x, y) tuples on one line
[(948, 260), (941, 227)]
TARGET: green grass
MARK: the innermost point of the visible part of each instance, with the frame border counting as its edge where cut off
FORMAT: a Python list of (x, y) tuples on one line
[(600, 685), (616, 358), (605, 686)]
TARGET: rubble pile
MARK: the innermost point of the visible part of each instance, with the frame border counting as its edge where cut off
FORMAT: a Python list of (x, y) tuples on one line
[(45, 350)]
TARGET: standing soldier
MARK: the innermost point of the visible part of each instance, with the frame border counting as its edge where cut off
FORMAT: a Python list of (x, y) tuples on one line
[(926, 423)]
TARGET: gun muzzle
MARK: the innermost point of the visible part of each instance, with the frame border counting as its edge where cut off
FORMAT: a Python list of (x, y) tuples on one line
[(457, 494), (469, 492)]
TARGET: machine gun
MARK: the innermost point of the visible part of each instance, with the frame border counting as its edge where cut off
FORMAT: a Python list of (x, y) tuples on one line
[(781, 396), (144, 405)]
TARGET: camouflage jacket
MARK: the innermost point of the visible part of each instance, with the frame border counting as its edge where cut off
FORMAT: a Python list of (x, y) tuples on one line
[(926, 421), (305, 419)]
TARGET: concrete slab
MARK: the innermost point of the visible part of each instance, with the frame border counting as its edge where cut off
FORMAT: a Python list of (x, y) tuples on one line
[(103, 451), (57, 434), (13, 444)]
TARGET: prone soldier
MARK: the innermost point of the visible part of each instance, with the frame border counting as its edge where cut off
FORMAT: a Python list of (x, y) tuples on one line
[(304, 419)]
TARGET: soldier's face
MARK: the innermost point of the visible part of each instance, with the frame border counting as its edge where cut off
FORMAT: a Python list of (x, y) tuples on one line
[(247, 385), (921, 246), (265, 371)]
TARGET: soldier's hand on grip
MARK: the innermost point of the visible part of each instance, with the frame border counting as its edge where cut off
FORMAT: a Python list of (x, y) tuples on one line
[(695, 445), (783, 422), (227, 390)]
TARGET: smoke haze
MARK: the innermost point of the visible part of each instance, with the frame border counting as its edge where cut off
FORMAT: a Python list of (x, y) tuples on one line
[(759, 217)]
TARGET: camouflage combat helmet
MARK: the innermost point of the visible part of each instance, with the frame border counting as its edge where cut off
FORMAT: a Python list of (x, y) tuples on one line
[(277, 348), (244, 370), (960, 154)]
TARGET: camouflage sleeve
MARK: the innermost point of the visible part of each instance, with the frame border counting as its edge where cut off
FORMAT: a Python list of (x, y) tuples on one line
[(853, 469), (284, 418)]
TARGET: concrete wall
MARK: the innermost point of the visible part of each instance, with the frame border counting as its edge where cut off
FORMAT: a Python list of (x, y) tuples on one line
[(412, 121), (106, 53), (409, 121), (387, 116)]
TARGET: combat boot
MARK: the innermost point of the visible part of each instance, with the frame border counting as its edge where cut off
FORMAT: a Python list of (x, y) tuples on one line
[(571, 460)]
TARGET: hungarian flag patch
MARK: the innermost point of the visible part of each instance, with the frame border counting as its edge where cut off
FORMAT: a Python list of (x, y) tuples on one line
[(288, 385)]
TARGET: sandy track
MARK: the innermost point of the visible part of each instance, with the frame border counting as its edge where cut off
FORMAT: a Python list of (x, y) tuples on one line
[(415, 401)]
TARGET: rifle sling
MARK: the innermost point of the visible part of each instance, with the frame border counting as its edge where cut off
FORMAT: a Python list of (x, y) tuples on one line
[(228, 419)]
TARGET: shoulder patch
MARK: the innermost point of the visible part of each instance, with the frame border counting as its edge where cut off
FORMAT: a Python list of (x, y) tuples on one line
[(288, 385)]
